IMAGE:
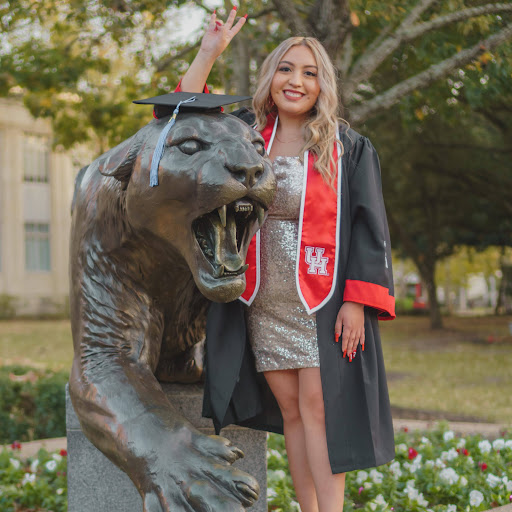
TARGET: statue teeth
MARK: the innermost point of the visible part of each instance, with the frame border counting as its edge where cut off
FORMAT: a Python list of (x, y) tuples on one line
[(260, 212), (245, 208), (222, 214)]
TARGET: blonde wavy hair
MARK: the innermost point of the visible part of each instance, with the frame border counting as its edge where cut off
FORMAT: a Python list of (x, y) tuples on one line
[(321, 127)]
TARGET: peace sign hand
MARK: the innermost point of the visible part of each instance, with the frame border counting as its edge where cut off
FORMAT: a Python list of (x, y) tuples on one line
[(218, 35)]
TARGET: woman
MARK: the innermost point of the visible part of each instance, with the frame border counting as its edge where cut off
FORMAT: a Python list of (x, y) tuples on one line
[(342, 266)]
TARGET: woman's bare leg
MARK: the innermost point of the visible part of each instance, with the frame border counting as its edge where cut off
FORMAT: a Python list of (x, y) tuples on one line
[(329, 488), (285, 387)]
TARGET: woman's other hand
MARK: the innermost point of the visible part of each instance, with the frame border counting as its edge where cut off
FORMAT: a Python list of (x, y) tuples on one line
[(350, 325), (218, 35)]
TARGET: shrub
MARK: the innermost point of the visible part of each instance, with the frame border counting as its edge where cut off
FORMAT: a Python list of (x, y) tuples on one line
[(7, 306), (31, 410)]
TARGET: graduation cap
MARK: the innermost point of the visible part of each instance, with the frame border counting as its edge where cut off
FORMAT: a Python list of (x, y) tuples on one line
[(173, 103)]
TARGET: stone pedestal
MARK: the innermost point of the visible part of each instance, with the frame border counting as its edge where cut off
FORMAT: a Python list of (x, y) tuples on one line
[(97, 485)]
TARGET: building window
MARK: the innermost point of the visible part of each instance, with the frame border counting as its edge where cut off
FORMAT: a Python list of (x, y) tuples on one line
[(37, 247), (36, 159)]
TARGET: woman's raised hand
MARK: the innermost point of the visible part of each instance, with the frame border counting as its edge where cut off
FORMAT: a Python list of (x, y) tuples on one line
[(215, 40), (218, 35)]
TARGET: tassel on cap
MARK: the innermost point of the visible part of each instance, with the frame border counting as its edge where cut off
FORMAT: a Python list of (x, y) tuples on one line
[(159, 149)]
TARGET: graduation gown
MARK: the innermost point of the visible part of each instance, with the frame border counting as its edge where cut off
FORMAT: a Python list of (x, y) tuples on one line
[(358, 419)]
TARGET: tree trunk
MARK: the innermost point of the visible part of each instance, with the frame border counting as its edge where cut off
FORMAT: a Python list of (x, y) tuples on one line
[(428, 275)]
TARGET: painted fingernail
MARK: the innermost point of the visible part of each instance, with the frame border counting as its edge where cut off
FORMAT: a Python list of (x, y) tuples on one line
[(363, 347), (235, 7), (336, 337), (350, 358), (215, 11), (344, 353), (245, 16)]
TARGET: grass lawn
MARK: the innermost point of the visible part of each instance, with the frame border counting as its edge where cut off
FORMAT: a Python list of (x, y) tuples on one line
[(463, 369), (456, 370), (38, 343)]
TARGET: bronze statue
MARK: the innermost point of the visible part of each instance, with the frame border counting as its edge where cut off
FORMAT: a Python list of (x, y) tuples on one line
[(145, 262)]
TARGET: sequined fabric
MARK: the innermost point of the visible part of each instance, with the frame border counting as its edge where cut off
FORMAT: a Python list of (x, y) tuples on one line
[(282, 334)]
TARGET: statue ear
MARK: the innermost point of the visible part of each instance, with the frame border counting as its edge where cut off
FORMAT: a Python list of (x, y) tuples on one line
[(119, 161)]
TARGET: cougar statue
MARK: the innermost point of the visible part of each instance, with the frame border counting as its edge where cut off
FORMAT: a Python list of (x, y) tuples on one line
[(145, 264)]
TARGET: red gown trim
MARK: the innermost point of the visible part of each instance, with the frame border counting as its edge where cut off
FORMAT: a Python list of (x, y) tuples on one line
[(372, 295)]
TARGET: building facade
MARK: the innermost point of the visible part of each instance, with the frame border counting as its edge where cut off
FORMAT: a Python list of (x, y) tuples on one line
[(36, 189)]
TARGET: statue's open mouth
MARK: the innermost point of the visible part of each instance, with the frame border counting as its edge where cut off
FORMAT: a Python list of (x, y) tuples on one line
[(224, 234)]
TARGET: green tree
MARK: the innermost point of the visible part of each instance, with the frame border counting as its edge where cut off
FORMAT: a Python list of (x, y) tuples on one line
[(80, 62)]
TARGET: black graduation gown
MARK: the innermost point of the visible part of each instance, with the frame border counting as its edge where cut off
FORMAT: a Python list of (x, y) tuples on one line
[(357, 410)]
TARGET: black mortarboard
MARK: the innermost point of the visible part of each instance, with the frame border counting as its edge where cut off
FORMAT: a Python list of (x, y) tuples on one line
[(168, 104)]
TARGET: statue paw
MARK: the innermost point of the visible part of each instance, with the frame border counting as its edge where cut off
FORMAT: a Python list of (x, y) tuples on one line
[(203, 480)]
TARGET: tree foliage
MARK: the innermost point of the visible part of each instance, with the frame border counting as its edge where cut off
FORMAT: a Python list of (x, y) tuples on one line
[(430, 81)]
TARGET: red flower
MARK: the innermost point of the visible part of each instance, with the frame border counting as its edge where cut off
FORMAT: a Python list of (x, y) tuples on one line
[(63, 453), (405, 429), (483, 466), (412, 453), (16, 445), (465, 452)]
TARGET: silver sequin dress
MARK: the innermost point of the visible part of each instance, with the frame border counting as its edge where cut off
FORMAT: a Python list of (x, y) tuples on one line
[(282, 334)]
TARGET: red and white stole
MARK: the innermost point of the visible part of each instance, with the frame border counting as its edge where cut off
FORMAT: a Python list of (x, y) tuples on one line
[(318, 241)]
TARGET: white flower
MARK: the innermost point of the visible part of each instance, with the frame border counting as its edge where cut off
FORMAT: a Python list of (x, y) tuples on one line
[(376, 476), (475, 498), (451, 454), (439, 463), (461, 443), (402, 448), (394, 467), (51, 465), (422, 502), (60, 491), (448, 435), (379, 500), (28, 478), (451, 508), (361, 477), (463, 481), (449, 475), (33, 465), (425, 440), (58, 457), (470, 460), (367, 485), (498, 444), (493, 480), (293, 503), (484, 446), (411, 492), (279, 473), (15, 463), (271, 492), (429, 463), (409, 484), (508, 444)]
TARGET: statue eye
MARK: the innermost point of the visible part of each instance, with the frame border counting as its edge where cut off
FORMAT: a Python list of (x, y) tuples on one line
[(190, 146), (260, 148)]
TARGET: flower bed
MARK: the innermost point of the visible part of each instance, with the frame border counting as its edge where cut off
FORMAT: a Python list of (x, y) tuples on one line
[(435, 471), (37, 484)]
